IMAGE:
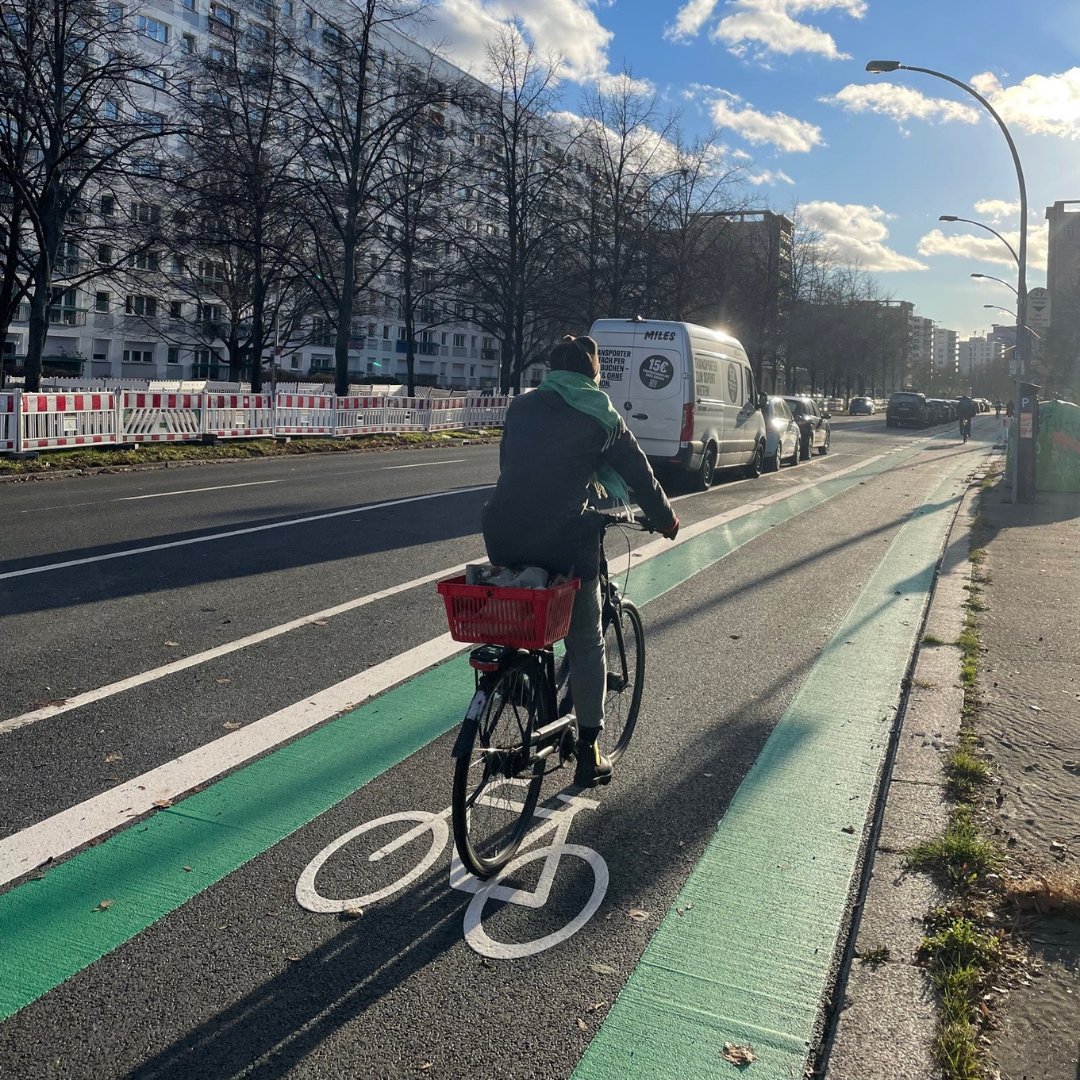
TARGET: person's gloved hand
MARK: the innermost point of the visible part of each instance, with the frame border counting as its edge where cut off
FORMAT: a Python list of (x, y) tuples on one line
[(670, 534)]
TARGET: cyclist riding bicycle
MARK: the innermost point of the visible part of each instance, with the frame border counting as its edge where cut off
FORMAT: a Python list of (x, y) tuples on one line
[(965, 410), (558, 443)]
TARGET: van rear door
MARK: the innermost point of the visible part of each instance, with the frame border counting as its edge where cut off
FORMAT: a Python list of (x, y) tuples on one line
[(645, 381)]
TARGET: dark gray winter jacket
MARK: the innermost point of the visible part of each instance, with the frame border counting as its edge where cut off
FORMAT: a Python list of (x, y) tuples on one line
[(550, 452)]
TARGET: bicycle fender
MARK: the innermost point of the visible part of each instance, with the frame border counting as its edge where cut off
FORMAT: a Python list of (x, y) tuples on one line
[(467, 731)]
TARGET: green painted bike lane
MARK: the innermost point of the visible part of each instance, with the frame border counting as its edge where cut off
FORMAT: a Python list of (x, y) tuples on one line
[(746, 952), (90, 904)]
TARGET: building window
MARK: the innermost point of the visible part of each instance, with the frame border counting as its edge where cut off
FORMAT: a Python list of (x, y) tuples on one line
[(110, 110), (104, 253), (101, 302), (459, 341), (190, 5), (140, 304), (309, 19), (146, 213), (114, 12), (152, 121), (386, 333), (145, 260), (107, 205), (173, 355), (138, 356), (155, 77), (210, 313), (263, 8), (288, 8), (187, 43), (176, 309), (401, 334), (154, 29), (226, 17)]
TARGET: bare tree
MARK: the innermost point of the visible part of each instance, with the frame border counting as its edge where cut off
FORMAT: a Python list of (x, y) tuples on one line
[(348, 100), (518, 230), (73, 76)]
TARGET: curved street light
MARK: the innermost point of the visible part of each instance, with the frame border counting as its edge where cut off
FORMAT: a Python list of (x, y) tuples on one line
[(970, 221), (1025, 458), (1000, 281), (1009, 311)]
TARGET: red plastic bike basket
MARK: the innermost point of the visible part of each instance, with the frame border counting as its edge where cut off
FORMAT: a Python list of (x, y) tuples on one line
[(523, 618)]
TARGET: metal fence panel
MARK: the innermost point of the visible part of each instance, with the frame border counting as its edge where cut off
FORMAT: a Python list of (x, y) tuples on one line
[(238, 416), (49, 421), (154, 416)]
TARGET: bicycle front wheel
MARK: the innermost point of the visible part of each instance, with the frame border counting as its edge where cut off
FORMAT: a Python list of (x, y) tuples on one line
[(497, 777), (624, 644)]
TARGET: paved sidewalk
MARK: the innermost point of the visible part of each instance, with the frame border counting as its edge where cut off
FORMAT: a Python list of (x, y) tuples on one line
[(1029, 722)]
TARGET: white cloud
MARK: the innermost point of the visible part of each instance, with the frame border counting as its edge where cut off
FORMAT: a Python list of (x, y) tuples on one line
[(783, 131), (857, 233), (771, 177), (758, 28), (901, 103), (1040, 104), (984, 248), (997, 209), (566, 28)]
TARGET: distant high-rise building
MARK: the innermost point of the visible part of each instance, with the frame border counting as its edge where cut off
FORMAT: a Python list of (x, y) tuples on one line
[(1060, 344), (946, 346), (921, 350)]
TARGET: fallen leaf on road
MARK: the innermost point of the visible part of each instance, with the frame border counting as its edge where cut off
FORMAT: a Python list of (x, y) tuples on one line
[(735, 637), (163, 804), (294, 958), (232, 725), (739, 1055), (187, 869), (172, 644), (603, 969), (110, 758), (593, 1006), (352, 912), (223, 682), (47, 703), (848, 829), (104, 905), (637, 914), (425, 1065), (582, 1026), (318, 622)]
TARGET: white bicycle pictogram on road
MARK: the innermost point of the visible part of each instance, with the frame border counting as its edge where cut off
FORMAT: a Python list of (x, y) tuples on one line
[(555, 822)]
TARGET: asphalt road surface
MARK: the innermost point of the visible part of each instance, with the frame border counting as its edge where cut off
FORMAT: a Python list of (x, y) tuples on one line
[(209, 676)]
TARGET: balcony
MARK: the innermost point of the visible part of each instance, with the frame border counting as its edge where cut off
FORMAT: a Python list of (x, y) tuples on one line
[(420, 348), (67, 316)]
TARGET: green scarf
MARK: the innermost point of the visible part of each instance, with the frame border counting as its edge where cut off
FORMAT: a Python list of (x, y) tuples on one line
[(581, 393)]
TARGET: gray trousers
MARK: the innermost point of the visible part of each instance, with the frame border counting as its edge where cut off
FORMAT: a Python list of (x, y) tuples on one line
[(588, 660)]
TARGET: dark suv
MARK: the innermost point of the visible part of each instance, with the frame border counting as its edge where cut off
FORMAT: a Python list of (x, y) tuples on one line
[(907, 408)]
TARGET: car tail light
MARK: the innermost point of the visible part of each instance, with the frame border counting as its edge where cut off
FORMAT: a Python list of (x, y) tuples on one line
[(687, 433)]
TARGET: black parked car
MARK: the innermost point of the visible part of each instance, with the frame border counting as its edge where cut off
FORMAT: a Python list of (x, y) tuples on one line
[(941, 411), (907, 407), (814, 428)]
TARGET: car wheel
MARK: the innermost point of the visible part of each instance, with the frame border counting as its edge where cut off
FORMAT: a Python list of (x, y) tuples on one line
[(795, 453), (823, 449), (772, 462), (807, 446), (757, 462), (703, 478)]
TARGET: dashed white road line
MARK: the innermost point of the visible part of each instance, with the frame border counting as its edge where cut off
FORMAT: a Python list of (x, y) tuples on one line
[(195, 491), (128, 553), (423, 465)]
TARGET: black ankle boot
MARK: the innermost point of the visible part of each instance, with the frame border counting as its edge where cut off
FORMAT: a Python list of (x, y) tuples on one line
[(592, 767)]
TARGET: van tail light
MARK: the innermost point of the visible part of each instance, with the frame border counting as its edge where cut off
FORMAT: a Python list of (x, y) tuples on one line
[(687, 433)]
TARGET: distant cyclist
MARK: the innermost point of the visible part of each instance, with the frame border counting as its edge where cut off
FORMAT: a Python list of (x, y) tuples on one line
[(965, 410)]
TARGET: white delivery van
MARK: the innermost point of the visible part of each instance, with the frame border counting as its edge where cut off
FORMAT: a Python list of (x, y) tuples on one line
[(686, 392)]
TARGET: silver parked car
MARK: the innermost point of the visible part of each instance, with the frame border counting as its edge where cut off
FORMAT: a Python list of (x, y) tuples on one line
[(782, 436)]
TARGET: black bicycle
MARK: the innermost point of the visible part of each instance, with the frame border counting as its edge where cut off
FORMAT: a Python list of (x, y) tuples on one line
[(965, 428), (520, 723)]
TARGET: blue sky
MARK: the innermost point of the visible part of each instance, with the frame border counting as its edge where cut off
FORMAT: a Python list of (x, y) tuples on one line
[(871, 160)]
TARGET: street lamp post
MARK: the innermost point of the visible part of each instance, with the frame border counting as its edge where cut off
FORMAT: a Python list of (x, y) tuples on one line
[(1022, 490), (1000, 281), (981, 225)]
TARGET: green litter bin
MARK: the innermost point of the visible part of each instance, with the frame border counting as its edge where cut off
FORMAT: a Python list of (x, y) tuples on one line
[(1057, 447)]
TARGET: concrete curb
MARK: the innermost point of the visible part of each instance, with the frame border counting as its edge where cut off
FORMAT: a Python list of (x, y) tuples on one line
[(886, 1009)]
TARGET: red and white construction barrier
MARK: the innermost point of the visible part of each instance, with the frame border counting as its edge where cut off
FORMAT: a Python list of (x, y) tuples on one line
[(9, 420), (358, 415), (237, 416), (160, 417), (304, 414), (57, 420), (405, 414)]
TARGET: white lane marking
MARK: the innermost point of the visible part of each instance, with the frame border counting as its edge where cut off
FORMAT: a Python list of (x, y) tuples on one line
[(194, 659), (129, 552), (78, 825), (423, 464), (194, 491), (618, 565)]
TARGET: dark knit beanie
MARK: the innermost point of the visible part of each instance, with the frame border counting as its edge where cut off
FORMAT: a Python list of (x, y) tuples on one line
[(575, 354)]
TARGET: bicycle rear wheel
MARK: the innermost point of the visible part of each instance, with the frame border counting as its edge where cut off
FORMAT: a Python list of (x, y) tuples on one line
[(497, 778), (624, 643)]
